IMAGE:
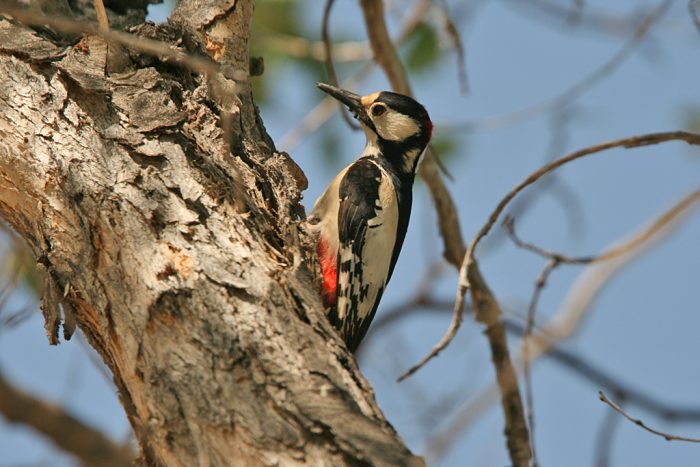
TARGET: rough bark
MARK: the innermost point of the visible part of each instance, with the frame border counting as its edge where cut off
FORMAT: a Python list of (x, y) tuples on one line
[(177, 247)]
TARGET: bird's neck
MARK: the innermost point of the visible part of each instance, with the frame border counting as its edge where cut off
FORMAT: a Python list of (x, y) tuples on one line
[(400, 160)]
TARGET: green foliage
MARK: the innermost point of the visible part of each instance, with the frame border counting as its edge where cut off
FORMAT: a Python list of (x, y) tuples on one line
[(272, 18), (423, 49), (445, 146), (18, 264), (275, 16)]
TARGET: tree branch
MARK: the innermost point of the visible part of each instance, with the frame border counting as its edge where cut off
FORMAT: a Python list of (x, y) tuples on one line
[(155, 199), (638, 422), (328, 62), (469, 262), (485, 305), (64, 430), (577, 89), (567, 320)]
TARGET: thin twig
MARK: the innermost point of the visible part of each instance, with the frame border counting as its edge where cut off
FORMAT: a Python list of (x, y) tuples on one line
[(603, 22), (573, 92), (387, 58), (619, 250), (486, 307), (636, 421), (576, 303), (328, 61), (692, 5), (468, 262), (456, 39), (629, 142), (567, 359), (508, 225), (301, 47), (320, 114), (540, 283)]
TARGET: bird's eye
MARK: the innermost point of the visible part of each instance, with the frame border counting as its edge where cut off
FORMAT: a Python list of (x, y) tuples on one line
[(377, 110)]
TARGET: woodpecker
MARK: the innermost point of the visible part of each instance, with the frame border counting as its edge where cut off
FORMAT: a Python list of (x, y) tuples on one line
[(362, 217)]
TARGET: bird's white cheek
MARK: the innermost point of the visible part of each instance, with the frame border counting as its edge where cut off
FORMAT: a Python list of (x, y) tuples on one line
[(396, 127)]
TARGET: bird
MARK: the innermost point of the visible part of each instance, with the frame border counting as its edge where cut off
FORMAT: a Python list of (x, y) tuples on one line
[(360, 220)]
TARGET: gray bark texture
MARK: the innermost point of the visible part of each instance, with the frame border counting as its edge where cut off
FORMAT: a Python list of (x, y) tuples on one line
[(168, 228)]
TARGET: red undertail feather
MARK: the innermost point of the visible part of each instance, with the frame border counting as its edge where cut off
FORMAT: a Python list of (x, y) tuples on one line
[(328, 261)]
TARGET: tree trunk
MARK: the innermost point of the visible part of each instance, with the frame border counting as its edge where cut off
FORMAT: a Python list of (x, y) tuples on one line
[(169, 229)]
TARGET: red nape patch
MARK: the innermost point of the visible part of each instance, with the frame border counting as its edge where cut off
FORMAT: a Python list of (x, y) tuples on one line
[(328, 261), (429, 128)]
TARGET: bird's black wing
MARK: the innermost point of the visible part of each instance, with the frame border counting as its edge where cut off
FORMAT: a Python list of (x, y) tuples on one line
[(367, 221)]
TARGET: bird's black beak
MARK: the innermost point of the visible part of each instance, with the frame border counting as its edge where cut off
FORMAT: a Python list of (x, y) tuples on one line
[(350, 99)]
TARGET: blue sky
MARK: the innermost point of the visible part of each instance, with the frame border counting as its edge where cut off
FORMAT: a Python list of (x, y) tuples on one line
[(643, 328)]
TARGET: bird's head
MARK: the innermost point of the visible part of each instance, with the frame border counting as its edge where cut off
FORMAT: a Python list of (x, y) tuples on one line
[(395, 119)]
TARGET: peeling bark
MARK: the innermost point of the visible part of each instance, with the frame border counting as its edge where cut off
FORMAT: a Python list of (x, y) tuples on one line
[(177, 249)]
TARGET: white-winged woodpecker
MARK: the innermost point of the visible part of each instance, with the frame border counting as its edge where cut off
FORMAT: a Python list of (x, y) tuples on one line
[(362, 217)]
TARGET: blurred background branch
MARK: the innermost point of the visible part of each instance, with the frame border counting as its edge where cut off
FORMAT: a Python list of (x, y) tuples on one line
[(539, 86), (62, 428)]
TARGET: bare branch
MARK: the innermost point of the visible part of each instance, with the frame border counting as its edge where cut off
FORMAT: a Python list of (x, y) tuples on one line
[(636, 421), (469, 263), (555, 259), (456, 39), (567, 359), (692, 9), (242, 203), (567, 320), (529, 326), (576, 90), (320, 114), (328, 61), (619, 250), (101, 14), (488, 312), (508, 225), (630, 142), (301, 47), (66, 431), (485, 304)]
